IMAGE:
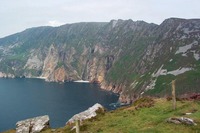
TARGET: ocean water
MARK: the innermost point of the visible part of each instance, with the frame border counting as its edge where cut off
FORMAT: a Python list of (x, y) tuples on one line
[(26, 98)]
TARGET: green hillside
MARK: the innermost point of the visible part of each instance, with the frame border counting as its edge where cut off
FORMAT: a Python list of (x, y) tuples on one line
[(124, 56)]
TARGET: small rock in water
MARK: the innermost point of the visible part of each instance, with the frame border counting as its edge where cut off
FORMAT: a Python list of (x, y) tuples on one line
[(33, 125)]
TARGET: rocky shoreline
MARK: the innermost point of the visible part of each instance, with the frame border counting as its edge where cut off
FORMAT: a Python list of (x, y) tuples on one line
[(117, 90), (4, 75), (123, 56)]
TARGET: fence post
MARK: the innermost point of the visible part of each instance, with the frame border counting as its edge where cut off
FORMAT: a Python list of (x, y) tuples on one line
[(173, 95), (77, 126)]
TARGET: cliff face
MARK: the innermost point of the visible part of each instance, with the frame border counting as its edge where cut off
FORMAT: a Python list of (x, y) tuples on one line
[(126, 57)]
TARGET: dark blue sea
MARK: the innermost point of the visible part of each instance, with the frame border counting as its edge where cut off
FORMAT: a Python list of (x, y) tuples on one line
[(26, 98)]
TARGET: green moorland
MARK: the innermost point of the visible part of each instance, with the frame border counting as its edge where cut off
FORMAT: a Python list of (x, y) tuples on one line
[(146, 115)]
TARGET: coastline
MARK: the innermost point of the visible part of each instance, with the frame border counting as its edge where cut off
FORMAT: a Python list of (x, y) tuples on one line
[(41, 78), (81, 81), (122, 99)]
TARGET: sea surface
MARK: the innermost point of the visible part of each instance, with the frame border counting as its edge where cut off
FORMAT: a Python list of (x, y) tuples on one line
[(26, 98)]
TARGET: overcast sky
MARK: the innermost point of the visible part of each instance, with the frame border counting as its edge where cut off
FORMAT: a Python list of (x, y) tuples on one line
[(17, 15)]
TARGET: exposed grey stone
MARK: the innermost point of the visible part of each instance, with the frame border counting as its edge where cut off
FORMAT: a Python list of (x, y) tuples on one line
[(185, 48), (34, 63), (87, 114), (183, 120), (33, 125), (188, 113), (4, 75), (179, 71)]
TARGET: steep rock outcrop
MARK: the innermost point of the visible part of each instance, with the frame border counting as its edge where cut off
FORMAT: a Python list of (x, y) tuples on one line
[(50, 62), (87, 114), (33, 125), (59, 74)]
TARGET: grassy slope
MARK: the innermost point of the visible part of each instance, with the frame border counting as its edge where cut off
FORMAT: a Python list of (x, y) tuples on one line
[(145, 119), (148, 119)]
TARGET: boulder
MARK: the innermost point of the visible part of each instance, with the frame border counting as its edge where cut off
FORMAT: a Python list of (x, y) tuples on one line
[(87, 114), (33, 125), (182, 120)]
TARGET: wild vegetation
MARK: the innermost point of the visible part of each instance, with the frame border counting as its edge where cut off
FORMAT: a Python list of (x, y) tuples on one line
[(145, 115)]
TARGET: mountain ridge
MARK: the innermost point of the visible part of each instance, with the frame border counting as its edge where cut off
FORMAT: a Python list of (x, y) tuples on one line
[(124, 56)]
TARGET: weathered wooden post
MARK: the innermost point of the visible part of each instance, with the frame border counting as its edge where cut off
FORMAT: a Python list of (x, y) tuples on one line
[(173, 95), (77, 126)]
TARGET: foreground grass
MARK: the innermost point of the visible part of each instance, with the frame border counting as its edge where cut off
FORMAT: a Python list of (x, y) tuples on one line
[(144, 117)]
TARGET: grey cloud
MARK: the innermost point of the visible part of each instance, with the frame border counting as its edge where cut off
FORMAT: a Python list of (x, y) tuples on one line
[(21, 14)]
